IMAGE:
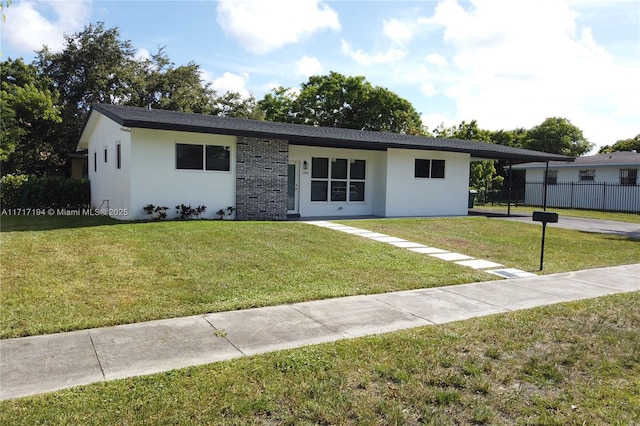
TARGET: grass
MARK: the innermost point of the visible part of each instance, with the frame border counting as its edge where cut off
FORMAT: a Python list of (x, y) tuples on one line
[(516, 245), (591, 214), (575, 363), (60, 278), (69, 274)]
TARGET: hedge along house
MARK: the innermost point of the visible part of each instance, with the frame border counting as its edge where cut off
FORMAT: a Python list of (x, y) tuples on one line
[(272, 171)]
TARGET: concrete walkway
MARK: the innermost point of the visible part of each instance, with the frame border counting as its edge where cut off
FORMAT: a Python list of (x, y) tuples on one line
[(39, 364), (458, 258)]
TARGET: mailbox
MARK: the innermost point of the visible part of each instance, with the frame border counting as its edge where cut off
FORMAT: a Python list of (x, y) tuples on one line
[(545, 217)]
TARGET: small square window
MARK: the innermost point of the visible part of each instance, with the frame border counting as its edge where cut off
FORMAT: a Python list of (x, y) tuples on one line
[(218, 158), (339, 168), (422, 168), (338, 191), (319, 190), (357, 169), (319, 168), (437, 169), (188, 157)]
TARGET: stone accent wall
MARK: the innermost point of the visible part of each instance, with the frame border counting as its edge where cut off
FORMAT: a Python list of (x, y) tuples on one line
[(261, 179)]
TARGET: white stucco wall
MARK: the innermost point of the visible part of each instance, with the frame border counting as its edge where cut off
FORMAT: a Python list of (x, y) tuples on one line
[(110, 189), (411, 196), (375, 175), (155, 179), (609, 174)]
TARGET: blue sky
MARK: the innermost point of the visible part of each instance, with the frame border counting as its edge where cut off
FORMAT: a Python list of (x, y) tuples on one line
[(504, 63)]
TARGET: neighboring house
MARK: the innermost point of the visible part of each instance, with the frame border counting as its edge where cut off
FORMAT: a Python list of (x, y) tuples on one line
[(607, 182), (77, 165), (271, 171)]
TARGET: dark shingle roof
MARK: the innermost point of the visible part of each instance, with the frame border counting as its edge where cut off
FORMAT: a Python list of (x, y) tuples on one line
[(300, 134), (614, 159)]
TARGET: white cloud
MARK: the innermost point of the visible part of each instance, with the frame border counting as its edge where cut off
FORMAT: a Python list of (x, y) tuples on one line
[(261, 26), (427, 89), (142, 54), (517, 63), (308, 66), (399, 32), (437, 59), (30, 25), (391, 55), (434, 120), (230, 82)]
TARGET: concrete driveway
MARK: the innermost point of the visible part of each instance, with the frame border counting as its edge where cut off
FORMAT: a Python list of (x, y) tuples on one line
[(626, 229)]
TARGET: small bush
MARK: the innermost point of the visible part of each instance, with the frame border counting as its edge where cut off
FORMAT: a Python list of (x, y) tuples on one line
[(157, 212), (34, 192), (187, 212)]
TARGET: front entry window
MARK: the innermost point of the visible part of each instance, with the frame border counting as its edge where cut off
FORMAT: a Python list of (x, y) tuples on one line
[(338, 179)]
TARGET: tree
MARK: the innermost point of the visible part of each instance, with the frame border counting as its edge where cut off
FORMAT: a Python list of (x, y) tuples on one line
[(622, 145), (335, 100), (557, 135), (91, 68), (480, 172), (28, 111)]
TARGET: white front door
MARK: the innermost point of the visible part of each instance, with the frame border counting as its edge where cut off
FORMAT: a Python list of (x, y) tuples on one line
[(293, 185)]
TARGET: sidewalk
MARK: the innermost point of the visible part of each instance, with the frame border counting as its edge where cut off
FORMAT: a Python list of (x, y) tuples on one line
[(38, 364)]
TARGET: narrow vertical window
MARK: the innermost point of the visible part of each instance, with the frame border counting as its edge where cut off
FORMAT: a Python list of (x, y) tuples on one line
[(118, 156), (105, 154), (95, 161)]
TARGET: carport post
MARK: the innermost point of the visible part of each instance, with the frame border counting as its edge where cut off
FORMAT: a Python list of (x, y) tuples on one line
[(546, 180), (509, 192)]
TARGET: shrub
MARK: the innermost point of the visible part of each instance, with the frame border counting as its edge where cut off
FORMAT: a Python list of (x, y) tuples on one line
[(157, 212), (187, 212), (24, 192)]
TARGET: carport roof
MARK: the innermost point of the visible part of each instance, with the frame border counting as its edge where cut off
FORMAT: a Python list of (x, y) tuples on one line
[(301, 134)]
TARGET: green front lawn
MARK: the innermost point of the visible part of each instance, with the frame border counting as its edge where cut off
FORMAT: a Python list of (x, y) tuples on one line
[(58, 279), (61, 274), (569, 364)]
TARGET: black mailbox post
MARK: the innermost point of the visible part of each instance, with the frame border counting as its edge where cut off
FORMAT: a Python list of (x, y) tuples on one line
[(544, 217)]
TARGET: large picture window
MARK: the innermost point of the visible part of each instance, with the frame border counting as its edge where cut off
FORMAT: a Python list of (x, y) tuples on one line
[(338, 179), (433, 169), (203, 157)]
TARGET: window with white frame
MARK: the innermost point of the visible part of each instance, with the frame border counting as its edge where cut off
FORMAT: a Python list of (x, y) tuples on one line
[(587, 174), (433, 169), (118, 156), (629, 177), (338, 179)]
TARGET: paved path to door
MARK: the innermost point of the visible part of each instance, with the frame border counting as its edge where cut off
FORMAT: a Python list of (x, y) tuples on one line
[(39, 364), (458, 258)]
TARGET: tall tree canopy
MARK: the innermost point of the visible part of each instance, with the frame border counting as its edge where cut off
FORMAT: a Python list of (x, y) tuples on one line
[(335, 100), (28, 112), (557, 135), (622, 145), (54, 95)]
